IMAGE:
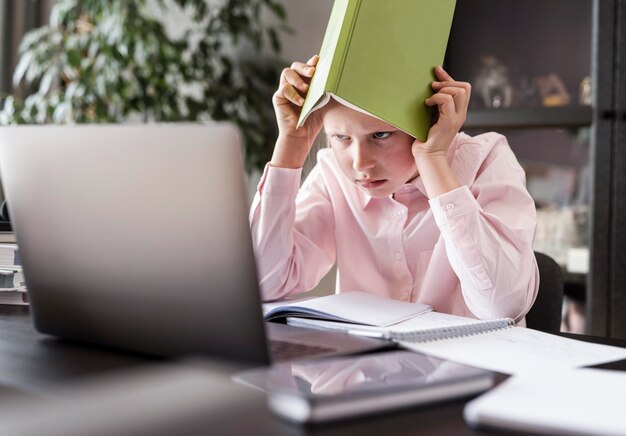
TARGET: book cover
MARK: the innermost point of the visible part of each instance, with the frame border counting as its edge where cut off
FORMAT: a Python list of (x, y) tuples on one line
[(378, 57)]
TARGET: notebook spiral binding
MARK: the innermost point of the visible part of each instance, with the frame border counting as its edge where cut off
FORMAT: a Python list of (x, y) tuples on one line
[(437, 333)]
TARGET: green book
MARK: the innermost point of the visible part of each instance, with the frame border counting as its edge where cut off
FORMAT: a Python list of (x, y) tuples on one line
[(378, 56)]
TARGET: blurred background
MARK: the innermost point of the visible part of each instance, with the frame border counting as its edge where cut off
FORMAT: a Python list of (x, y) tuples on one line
[(542, 74)]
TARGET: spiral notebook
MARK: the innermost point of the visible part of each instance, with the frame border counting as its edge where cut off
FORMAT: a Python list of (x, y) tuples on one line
[(425, 327), (496, 345)]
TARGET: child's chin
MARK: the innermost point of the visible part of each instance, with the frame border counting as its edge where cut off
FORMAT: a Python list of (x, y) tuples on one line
[(381, 192)]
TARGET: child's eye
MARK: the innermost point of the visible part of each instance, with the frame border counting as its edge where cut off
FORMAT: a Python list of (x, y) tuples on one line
[(381, 135), (342, 137)]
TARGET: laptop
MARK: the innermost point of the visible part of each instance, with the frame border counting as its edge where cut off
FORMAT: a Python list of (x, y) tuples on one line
[(137, 237)]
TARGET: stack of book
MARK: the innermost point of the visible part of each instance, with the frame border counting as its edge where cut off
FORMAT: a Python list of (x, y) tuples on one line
[(12, 284)]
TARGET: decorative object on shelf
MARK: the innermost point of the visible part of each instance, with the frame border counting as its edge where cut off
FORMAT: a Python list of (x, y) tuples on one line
[(526, 94), (115, 61), (553, 91), (493, 84), (584, 91)]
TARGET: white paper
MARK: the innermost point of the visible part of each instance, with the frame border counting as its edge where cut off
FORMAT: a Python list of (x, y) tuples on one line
[(517, 350), (579, 401)]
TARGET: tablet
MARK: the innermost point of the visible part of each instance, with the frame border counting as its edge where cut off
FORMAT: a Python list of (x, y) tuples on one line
[(332, 389)]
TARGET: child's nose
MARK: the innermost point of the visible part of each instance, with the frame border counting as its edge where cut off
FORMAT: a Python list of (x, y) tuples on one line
[(362, 158)]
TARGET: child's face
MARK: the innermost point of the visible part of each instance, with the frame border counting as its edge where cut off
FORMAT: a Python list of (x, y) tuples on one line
[(372, 153)]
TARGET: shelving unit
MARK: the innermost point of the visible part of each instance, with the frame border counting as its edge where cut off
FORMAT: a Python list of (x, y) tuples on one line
[(574, 40)]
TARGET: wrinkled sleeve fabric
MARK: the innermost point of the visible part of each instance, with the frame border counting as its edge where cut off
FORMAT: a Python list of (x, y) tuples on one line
[(488, 230), (292, 231)]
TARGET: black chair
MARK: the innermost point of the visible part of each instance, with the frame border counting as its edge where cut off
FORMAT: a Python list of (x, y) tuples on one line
[(546, 313)]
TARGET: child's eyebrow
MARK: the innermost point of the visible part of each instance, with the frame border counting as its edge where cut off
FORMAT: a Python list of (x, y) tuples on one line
[(390, 130), (369, 132)]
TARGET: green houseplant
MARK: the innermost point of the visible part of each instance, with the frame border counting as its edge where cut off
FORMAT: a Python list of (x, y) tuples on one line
[(113, 61)]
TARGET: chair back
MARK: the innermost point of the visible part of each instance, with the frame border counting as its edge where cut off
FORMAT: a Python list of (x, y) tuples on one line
[(546, 313)]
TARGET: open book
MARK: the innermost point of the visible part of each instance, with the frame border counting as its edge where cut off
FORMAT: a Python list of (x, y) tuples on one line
[(354, 308), (378, 57)]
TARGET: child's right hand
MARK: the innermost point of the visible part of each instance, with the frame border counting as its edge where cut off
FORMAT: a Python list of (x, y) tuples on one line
[(293, 144)]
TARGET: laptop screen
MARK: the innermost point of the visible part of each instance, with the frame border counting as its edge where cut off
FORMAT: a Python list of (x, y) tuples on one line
[(136, 236)]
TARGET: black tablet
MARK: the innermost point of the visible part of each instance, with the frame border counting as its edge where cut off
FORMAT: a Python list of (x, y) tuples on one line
[(343, 387)]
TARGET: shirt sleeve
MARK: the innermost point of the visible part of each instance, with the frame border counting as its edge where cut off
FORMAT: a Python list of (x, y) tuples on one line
[(488, 230), (291, 225)]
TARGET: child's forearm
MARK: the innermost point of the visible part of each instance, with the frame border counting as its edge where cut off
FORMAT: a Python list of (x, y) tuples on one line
[(290, 152), (436, 174)]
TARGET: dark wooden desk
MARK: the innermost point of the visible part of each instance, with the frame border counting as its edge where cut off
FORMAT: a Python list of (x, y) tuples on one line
[(33, 362)]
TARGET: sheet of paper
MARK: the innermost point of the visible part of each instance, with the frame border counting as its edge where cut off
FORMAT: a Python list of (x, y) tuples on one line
[(518, 350), (356, 306), (574, 401)]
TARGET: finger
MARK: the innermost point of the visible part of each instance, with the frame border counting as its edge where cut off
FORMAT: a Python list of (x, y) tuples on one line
[(287, 92), (283, 105), (304, 70), (460, 97), (294, 79), (438, 85), (445, 104), (442, 74), (464, 88), (313, 61)]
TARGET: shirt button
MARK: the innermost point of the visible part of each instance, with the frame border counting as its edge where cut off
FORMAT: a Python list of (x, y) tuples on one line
[(405, 295), (398, 256), (400, 212), (449, 207)]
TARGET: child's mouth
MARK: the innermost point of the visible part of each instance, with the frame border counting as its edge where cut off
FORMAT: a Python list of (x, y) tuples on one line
[(370, 184)]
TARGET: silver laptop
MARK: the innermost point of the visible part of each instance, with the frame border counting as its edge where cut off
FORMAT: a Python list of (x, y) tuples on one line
[(137, 237)]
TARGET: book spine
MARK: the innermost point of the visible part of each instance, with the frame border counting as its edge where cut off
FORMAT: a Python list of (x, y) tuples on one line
[(439, 333), (340, 55)]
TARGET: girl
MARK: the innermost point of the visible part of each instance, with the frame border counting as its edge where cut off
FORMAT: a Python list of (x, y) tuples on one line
[(446, 222)]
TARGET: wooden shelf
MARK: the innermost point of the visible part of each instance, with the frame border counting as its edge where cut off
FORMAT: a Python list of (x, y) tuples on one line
[(540, 117)]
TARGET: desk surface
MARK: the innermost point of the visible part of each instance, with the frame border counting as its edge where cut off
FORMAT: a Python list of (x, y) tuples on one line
[(36, 363)]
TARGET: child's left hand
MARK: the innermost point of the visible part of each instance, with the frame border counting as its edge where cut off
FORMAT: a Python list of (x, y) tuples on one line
[(452, 99)]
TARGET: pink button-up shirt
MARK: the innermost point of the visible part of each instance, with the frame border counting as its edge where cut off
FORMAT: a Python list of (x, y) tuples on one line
[(467, 252)]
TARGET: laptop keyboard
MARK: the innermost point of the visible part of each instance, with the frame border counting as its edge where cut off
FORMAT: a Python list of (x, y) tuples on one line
[(282, 350)]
